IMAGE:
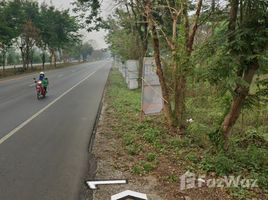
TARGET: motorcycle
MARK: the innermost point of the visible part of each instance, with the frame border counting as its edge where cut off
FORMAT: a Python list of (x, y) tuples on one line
[(40, 90)]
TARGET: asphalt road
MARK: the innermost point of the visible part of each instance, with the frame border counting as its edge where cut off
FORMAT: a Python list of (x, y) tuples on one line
[(44, 143)]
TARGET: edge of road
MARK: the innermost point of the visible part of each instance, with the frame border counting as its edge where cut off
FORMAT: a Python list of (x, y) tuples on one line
[(86, 193)]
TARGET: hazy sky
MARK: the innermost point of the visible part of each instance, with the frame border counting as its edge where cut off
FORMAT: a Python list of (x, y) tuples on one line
[(97, 36)]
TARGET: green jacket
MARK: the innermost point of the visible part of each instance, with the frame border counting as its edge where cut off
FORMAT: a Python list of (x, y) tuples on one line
[(45, 82)]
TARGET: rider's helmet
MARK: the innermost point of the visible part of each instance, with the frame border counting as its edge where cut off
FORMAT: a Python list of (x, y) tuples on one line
[(41, 76)]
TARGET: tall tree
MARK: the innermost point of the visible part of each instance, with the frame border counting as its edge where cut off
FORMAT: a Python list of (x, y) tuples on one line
[(58, 29), (247, 41), (174, 16), (9, 26)]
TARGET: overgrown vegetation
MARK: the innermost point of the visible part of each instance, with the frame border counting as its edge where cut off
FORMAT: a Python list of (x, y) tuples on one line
[(151, 145)]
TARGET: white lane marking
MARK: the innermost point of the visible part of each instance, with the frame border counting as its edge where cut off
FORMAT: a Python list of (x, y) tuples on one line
[(7, 136), (93, 184)]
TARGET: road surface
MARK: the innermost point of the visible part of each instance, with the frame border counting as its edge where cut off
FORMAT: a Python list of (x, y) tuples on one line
[(44, 143)]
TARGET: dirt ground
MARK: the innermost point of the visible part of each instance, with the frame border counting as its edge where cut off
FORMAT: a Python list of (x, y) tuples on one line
[(112, 164)]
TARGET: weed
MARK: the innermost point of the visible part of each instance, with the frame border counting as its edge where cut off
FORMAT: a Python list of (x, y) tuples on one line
[(151, 157), (150, 135), (148, 167), (128, 139), (192, 157), (137, 170), (172, 178), (133, 149)]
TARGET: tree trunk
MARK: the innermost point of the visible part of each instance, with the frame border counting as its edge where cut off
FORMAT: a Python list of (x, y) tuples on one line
[(23, 59), (232, 19), (181, 68), (4, 63), (143, 40), (31, 59), (27, 56), (165, 94), (43, 60), (238, 101), (180, 104), (53, 57), (141, 58)]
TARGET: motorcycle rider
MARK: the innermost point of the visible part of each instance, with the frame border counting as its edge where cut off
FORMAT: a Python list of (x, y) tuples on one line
[(44, 80)]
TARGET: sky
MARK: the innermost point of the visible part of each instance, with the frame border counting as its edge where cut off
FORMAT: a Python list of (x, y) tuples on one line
[(97, 36)]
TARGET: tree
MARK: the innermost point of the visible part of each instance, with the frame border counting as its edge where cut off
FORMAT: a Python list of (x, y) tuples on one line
[(174, 16), (29, 33), (58, 29), (9, 26), (86, 51), (118, 32), (247, 41), (233, 56), (28, 39)]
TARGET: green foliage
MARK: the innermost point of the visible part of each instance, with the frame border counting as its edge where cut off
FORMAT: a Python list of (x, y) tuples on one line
[(57, 28), (246, 155), (143, 168), (27, 24), (137, 170), (178, 143), (150, 134), (240, 193), (89, 12), (192, 157), (151, 157), (172, 178), (219, 163), (128, 138), (148, 167), (128, 49)]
